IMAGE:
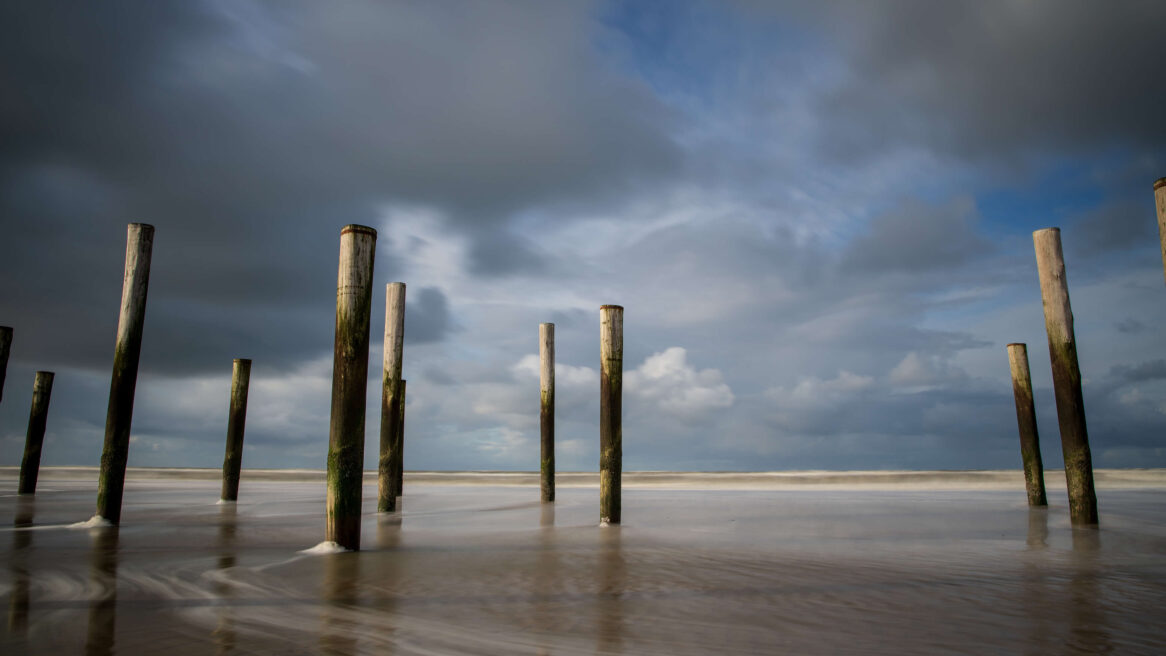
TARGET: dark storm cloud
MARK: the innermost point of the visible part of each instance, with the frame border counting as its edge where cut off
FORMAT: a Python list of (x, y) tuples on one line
[(997, 79), (917, 238), (1112, 228), (250, 133), (427, 316)]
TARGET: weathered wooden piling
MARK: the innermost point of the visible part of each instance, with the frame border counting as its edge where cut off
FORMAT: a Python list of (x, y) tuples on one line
[(135, 284), (387, 484), (610, 412), (5, 347), (1050, 262), (1034, 471), (1159, 201), (236, 423), (399, 445), (546, 384), (349, 383), (42, 390)]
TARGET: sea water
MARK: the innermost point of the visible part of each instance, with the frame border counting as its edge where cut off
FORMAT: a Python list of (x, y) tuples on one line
[(474, 564)]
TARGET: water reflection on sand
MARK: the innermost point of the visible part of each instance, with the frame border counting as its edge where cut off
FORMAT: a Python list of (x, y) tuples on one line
[(490, 570)]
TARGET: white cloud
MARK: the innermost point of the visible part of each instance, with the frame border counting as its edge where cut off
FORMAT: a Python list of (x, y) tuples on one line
[(667, 380)]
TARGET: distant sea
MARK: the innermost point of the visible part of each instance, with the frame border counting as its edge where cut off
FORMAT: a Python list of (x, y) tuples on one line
[(902, 562)]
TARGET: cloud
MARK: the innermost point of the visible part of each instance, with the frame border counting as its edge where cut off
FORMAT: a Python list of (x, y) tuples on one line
[(666, 380), (917, 238)]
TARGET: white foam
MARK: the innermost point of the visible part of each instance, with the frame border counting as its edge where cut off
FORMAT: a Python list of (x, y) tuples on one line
[(324, 548), (225, 502), (96, 521)]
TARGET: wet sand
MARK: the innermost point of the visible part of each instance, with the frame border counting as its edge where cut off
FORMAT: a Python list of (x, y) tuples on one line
[(702, 564)]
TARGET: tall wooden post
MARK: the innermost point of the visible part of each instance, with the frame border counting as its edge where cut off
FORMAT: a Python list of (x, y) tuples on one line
[(546, 384), (5, 347), (42, 390), (1159, 201), (610, 412), (399, 446), (1034, 471), (349, 383), (387, 485), (236, 422), (1050, 262), (111, 481)]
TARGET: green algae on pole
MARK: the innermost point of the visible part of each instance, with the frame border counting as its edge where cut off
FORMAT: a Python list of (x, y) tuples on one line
[(1034, 471), (1160, 202), (236, 422), (5, 347), (399, 445), (349, 384), (42, 390), (387, 483), (1050, 263), (546, 416), (119, 416), (610, 412)]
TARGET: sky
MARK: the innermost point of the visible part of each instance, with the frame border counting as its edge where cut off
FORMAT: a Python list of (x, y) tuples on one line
[(817, 216)]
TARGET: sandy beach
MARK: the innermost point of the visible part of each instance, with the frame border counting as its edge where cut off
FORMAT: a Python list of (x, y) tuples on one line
[(808, 562)]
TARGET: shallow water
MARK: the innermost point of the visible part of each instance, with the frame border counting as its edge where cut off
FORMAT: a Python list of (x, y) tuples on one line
[(486, 569)]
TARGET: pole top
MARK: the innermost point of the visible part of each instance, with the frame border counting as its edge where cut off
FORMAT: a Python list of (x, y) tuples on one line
[(1054, 229), (144, 227), (243, 360), (364, 230), (1020, 344), (547, 323), (1159, 183), (611, 307)]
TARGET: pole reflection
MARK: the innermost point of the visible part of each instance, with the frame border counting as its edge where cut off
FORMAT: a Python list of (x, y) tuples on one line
[(341, 581), (1034, 585), (21, 546), (612, 585), (1088, 624), (103, 577), (224, 633)]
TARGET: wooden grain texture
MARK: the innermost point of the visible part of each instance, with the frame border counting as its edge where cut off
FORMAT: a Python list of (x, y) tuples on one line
[(1160, 203), (1034, 472), (610, 413), (387, 483), (5, 349), (127, 352), (42, 391), (236, 424), (546, 384), (349, 384), (1050, 262)]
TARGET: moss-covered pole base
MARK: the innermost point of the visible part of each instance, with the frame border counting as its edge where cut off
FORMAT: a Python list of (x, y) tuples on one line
[(349, 383), (546, 416), (610, 412), (1034, 470), (387, 484), (399, 444), (1054, 288), (42, 390), (5, 347), (135, 284), (1159, 201), (236, 422)]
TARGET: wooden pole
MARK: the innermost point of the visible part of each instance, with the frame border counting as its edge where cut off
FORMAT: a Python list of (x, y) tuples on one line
[(610, 412), (111, 481), (1050, 262), (546, 383), (5, 347), (387, 485), (1034, 471), (236, 422), (349, 383), (399, 446), (1159, 201), (42, 390)]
